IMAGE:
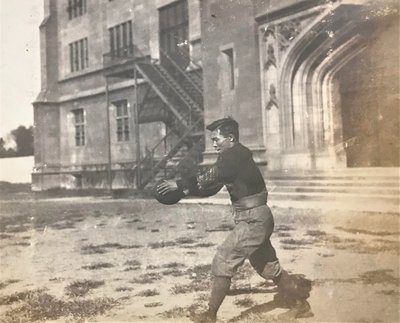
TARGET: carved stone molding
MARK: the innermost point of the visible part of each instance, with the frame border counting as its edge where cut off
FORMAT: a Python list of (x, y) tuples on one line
[(286, 32)]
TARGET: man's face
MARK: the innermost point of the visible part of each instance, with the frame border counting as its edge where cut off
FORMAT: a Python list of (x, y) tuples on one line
[(220, 143)]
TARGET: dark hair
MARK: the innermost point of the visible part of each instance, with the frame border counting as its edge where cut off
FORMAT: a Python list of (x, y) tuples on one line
[(227, 126)]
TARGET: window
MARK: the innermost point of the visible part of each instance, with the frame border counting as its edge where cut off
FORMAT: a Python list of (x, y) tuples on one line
[(79, 55), (79, 122), (174, 26), (121, 39), (76, 8), (122, 120), (229, 67)]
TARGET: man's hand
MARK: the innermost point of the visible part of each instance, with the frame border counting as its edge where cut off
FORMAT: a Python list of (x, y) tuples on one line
[(167, 186)]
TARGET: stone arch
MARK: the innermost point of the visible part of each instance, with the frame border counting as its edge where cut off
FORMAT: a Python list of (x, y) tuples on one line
[(311, 45), (289, 60), (311, 50), (330, 133), (307, 71)]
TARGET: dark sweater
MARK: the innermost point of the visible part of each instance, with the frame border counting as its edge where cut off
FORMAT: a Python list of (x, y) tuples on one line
[(234, 168)]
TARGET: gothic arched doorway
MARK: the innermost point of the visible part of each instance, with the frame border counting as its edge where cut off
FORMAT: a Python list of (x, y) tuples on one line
[(368, 87), (331, 76)]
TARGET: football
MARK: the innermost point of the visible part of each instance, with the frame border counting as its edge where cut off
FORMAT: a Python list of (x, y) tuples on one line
[(168, 198)]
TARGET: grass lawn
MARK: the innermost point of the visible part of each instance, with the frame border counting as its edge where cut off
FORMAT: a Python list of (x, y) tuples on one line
[(98, 259)]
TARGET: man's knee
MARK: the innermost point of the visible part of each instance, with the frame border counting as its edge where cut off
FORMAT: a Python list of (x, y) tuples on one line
[(271, 270), (222, 267)]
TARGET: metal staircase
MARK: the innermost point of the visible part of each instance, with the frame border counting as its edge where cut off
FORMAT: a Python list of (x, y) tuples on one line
[(173, 97), (150, 166), (190, 82), (172, 94)]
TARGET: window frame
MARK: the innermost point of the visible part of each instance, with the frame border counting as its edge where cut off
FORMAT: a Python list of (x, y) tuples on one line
[(80, 127), (173, 25), (76, 8), (122, 117), (228, 53), (121, 39), (79, 55)]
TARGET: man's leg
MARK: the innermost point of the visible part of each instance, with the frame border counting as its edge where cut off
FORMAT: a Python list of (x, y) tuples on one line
[(230, 255), (293, 290), (219, 289), (250, 232), (265, 262)]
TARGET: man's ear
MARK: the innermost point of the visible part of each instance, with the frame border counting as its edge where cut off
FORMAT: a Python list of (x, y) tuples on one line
[(231, 138)]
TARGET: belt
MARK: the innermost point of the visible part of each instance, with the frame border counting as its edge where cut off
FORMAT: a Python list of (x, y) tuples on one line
[(251, 201)]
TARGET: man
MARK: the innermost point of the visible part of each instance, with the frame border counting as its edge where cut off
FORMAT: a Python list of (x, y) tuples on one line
[(250, 238)]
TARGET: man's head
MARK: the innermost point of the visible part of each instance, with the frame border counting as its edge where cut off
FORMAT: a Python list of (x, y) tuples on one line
[(225, 133)]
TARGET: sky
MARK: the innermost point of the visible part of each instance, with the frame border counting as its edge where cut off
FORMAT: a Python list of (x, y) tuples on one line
[(19, 61)]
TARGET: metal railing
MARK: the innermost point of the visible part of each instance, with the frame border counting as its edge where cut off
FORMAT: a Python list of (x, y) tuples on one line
[(121, 55), (167, 58), (155, 168)]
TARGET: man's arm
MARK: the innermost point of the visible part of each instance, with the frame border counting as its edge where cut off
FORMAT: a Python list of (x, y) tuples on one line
[(205, 184), (210, 180), (225, 170), (167, 186)]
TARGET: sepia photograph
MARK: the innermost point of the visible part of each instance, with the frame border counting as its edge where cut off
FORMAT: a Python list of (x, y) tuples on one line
[(205, 161)]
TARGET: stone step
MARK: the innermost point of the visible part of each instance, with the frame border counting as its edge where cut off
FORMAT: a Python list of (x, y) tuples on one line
[(387, 183), (327, 177), (368, 189), (321, 195), (342, 189), (330, 195), (350, 202), (362, 171), (360, 205)]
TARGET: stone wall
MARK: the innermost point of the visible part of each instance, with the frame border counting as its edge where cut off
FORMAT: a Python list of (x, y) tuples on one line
[(230, 25), (57, 157)]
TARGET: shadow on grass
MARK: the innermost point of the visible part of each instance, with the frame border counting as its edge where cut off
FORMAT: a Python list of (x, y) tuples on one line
[(239, 290), (259, 313)]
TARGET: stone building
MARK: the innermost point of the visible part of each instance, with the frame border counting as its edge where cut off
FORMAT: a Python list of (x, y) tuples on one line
[(313, 84), (91, 124)]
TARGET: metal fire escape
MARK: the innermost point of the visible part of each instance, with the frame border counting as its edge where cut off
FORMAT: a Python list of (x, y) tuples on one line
[(168, 93)]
